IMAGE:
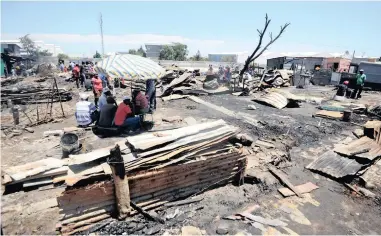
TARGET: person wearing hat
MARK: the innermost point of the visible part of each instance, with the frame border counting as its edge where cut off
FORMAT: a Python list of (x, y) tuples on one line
[(124, 116), (103, 99), (85, 111), (360, 80)]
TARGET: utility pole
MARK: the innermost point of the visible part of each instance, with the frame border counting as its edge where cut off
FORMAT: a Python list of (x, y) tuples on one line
[(101, 26), (353, 55)]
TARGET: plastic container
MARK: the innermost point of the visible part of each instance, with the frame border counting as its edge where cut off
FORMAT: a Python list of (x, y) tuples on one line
[(69, 144)]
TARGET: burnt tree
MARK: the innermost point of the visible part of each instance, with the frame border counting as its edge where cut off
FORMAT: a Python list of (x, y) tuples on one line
[(256, 53)]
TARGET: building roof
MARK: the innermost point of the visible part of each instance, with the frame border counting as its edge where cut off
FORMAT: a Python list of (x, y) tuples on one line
[(15, 42)]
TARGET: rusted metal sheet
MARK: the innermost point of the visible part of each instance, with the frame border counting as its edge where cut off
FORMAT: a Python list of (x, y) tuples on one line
[(274, 99), (335, 165), (372, 176), (362, 148)]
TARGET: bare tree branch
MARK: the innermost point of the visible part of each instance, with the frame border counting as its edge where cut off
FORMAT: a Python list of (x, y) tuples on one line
[(255, 53), (261, 34), (282, 29)]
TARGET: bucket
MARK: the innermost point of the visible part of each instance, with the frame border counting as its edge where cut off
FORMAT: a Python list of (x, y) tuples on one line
[(69, 143), (347, 115)]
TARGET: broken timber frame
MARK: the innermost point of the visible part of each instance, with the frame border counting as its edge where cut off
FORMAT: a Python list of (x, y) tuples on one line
[(122, 191)]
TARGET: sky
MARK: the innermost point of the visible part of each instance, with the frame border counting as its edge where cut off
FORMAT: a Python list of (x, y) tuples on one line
[(211, 27)]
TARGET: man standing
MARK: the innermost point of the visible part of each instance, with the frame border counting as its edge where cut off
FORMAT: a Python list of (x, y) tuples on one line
[(360, 80), (76, 75), (151, 94), (82, 71)]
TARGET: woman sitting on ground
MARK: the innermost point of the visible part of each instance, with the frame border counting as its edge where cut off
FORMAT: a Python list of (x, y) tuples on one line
[(124, 117)]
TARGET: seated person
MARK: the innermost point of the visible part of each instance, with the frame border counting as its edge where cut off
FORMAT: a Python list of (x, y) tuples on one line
[(107, 113), (124, 117), (103, 98), (85, 111), (140, 102), (342, 89)]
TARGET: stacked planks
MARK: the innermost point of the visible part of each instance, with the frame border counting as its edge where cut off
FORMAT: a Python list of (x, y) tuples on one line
[(81, 208), (35, 173), (169, 165)]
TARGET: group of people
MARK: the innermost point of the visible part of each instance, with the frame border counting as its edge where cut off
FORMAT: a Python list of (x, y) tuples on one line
[(106, 113), (344, 90)]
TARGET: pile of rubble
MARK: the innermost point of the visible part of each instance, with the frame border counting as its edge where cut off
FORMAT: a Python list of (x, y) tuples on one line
[(162, 167), (358, 158)]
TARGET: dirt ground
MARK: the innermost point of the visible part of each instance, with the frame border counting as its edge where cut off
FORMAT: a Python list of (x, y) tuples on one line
[(331, 209)]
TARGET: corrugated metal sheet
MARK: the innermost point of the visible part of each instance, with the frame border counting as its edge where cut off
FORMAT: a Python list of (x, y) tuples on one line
[(274, 99), (358, 145), (335, 165)]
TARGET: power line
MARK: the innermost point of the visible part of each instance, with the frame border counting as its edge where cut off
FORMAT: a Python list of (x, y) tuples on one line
[(101, 26)]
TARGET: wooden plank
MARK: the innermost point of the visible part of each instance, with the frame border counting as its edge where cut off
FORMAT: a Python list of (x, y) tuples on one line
[(107, 209), (247, 118), (361, 148), (209, 143), (185, 168), (33, 168), (84, 209), (187, 176), (122, 192), (191, 139), (50, 173), (94, 155), (173, 97), (329, 114), (285, 180), (303, 188), (147, 141), (154, 135)]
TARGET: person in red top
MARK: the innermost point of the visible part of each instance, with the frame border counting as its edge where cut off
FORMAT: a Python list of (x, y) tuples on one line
[(75, 72), (97, 88), (140, 102), (124, 117)]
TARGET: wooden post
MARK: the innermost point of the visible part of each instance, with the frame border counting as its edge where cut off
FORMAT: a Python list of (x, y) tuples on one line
[(59, 96), (16, 114), (122, 192)]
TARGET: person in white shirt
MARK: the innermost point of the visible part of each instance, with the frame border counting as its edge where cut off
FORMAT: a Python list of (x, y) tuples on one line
[(85, 111)]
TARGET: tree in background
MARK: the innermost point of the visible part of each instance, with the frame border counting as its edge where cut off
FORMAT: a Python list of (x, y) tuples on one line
[(62, 56), (31, 49), (177, 52), (167, 53), (132, 51), (28, 45), (198, 57), (141, 52), (97, 55)]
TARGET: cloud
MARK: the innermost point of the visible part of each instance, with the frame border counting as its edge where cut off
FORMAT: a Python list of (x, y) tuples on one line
[(71, 42)]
